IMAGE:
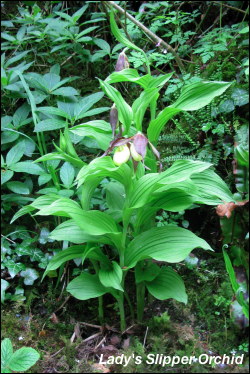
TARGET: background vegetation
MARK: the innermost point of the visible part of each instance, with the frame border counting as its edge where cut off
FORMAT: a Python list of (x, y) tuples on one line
[(52, 54)]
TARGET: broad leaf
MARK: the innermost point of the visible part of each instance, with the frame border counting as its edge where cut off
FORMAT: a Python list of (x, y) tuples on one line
[(212, 190), (167, 243), (27, 167), (23, 359), (196, 95), (15, 153), (111, 277), (86, 286), (6, 354), (168, 285), (146, 272), (181, 170), (71, 232), (67, 174), (49, 124), (75, 251)]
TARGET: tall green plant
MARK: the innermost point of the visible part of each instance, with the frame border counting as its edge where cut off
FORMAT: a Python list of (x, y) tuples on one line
[(123, 238)]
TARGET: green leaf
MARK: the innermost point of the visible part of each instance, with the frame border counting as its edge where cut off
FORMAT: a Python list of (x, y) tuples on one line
[(141, 103), (79, 12), (167, 285), (182, 170), (75, 251), (242, 155), (155, 126), (65, 91), (125, 113), (23, 359), (212, 190), (85, 104), (15, 153), (49, 124), (240, 96), (14, 267), (71, 232), (102, 44), (6, 352), (142, 190), (4, 286), (199, 94), (226, 106), (115, 196), (103, 139), (29, 275), (67, 174), (92, 222), (129, 75), (86, 286), (193, 97), (111, 277), (86, 31), (119, 35), (104, 167), (24, 210), (18, 187), (53, 111), (27, 167), (6, 175), (174, 199), (167, 243), (146, 272)]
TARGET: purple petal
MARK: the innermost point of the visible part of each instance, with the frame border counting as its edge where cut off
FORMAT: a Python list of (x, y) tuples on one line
[(140, 142)]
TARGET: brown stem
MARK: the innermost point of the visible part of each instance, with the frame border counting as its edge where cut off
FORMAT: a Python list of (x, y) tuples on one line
[(229, 6), (150, 34)]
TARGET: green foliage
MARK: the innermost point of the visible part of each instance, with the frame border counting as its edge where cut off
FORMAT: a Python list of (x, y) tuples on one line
[(20, 360)]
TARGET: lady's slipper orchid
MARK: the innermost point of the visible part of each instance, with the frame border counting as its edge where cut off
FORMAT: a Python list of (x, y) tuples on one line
[(134, 146), (121, 155)]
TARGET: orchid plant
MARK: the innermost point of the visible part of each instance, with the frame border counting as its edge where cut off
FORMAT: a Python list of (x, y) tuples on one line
[(124, 238)]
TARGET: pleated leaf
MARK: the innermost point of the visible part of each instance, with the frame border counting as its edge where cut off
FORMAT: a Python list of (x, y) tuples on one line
[(181, 170), (212, 190), (168, 285), (104, 167), (86, 286), (167, 243), (196, 95), (71, 232), (75, 251), (111, 277)]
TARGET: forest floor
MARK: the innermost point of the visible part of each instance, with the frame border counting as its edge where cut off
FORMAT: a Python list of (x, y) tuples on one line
[(69, 338)]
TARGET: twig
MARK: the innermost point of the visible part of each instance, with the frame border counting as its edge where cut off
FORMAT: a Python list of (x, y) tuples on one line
[(54, 354), (90, 325), (8, 239), (98, 345), (150, 34), (145, 337), (67, 59), (229, 6), (92, 337), (62, 305)]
